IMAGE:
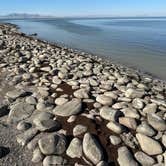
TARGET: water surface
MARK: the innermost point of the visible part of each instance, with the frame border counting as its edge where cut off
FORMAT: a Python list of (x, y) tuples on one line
[(139, 43)]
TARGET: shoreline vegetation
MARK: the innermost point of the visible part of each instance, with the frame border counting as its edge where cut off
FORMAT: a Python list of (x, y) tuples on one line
[(59, 106)]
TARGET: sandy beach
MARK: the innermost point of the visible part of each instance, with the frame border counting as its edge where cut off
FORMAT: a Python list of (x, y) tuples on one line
[(59, 106)]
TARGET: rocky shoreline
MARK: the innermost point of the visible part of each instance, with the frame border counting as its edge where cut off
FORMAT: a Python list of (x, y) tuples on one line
[(69, 108)]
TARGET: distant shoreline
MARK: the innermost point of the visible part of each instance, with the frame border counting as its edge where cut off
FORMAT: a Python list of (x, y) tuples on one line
[(90, 54), (84, 17)]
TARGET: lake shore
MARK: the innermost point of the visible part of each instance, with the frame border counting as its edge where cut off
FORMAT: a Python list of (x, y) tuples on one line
[(73, 108)]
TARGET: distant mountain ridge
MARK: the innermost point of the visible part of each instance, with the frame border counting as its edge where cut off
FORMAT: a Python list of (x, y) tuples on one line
[(28, 16), (24, 16)]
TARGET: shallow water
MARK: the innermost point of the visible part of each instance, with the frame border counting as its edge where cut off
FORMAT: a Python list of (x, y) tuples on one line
[(139, 43)]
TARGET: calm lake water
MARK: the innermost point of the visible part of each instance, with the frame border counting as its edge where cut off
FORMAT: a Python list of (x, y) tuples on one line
[(138, 43)]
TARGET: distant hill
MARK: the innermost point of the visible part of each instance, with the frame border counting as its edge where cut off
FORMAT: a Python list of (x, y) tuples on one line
[(24, 16)]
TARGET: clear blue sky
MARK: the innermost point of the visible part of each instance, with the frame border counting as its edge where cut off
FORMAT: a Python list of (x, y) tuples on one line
[(85, 7)]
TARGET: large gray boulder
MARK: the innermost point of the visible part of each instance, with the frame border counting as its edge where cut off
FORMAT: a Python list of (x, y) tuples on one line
[(81, 94), (156, 122), (108, 113), (48, 125), (20, 111), (144, 159), (125, 158), (134, 93), (72, 107), (14, 94), (92, 149), (105, 100), (52, 144), (75, 148), (145, 129), (149, 145)]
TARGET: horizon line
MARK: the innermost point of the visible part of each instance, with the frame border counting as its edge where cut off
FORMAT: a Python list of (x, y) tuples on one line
[(84, 16)]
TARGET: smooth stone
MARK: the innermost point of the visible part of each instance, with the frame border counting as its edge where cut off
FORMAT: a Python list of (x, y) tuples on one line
[(119, 105), (92, 149), (159, 102), (79, 129), (43, 92), (54, 161), (158, 135), (106, 87), (115, 140), (125, 99), (97, 105), (110, 114), (125, 158), (146, 129), (22, 126), (37, 156), (27, 136), (81, 94), (111, 94), (150, 108), (48, 125), (61, 101), (149, 145), (144, 159), (56, 80), (46, 69), (131, 113), (105, 100), (115, 127), (42, 117), (128, 122), (14, 94), (156, 122), (72, 83), (137, 103), (93, 82), (134, 93), (71, 119), (31, 100), (164, 140), (52, 144), (75, 148), (72, 107), (59, 90), (20, 111), (41, 106)]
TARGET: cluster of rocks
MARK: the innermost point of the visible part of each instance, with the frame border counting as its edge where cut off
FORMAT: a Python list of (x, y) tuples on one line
[(56, 90)]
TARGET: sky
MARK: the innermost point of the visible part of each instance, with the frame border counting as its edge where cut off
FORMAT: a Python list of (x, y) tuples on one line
[(61, 8)]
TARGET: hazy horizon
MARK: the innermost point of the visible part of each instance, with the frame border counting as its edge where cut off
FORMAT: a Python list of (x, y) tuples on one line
[(86, 8), (77, 16)]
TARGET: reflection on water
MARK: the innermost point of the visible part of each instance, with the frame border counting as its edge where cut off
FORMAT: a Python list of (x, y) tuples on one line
[(139, 43)]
